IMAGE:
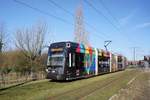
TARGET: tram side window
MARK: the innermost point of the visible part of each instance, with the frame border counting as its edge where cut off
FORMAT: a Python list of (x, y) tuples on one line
[(70, 56), (72, 59), (101, 60)]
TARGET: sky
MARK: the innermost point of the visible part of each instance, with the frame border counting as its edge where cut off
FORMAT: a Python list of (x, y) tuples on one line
[(125, 22)]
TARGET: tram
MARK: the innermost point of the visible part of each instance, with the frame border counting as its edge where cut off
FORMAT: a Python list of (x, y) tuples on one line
[(70, 60)]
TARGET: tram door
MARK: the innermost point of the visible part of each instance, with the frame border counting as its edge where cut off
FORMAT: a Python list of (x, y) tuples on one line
[(75, 64), (71, 70), (79, 64)]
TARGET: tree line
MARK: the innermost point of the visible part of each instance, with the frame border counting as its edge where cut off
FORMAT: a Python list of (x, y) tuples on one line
[(25, 59)]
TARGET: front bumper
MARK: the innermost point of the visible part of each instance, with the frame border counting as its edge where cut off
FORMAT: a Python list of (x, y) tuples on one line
[(55, 76)]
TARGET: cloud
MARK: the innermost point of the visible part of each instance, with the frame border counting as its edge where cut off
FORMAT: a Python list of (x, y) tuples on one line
[(126, 19), (143, 25)]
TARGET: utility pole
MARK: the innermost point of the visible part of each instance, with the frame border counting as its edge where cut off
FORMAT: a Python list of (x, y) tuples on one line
[(134, 54), (106, 43)]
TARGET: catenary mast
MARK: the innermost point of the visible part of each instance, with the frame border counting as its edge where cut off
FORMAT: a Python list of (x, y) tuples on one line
[(81, 36)]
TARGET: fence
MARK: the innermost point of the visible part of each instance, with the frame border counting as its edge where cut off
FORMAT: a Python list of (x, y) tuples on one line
[(11, 79)]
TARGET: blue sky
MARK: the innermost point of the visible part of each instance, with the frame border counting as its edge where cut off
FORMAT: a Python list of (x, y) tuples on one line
[(133, 22)]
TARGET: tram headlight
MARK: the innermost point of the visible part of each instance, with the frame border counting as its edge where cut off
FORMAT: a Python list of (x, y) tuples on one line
[(47, 70)]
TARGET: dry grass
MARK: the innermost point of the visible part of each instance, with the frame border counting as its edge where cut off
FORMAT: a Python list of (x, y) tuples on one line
[(100, 87), (138, 89)]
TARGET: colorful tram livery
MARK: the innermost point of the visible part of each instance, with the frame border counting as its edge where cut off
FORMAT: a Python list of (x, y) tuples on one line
[(69, 60)]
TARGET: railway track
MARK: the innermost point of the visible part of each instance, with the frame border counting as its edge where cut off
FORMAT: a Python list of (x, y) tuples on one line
[(81, 93), (103, 87), (70, 91)]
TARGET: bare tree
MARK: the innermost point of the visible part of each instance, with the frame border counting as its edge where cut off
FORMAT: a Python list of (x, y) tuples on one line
[(3, 69), (30, 41)]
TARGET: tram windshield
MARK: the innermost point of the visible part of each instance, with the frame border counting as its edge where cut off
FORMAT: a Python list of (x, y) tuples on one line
[(56, 60)]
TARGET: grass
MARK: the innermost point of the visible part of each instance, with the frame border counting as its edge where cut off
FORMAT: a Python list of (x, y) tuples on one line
[(103, 87), (138, 89)]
